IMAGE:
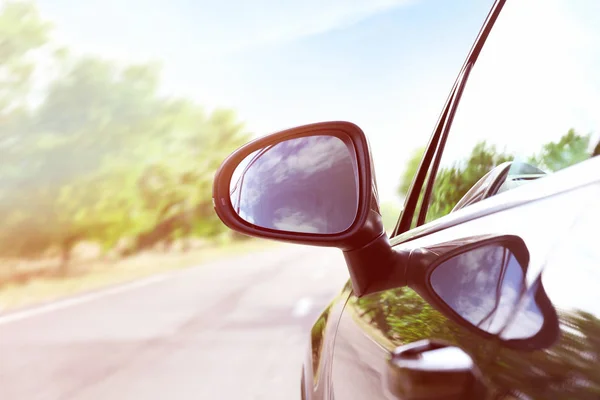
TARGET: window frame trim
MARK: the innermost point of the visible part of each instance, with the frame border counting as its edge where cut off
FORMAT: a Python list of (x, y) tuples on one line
[(441, 146), (435, 146)]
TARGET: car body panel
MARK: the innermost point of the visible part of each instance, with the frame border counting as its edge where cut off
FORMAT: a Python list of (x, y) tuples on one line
[(373, 326), (366, 334), (316, 372), (571, 277)]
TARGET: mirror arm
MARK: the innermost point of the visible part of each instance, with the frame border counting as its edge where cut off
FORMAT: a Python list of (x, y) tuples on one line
[(376, 267)]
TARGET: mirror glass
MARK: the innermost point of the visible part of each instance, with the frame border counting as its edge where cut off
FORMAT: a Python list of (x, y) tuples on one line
[(307, 184), (527, 319), (482, 285)]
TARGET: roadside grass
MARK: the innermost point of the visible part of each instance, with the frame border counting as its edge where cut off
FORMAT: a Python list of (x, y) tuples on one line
[(97, 274)]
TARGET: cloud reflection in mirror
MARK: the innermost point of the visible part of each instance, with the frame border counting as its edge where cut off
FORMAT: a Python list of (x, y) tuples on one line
[(307, 184), (483, 285)]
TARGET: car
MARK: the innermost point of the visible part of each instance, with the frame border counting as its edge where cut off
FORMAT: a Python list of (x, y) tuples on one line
[(487, 287)]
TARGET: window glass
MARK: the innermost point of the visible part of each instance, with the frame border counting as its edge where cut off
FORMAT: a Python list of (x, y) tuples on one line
[(532, 99)]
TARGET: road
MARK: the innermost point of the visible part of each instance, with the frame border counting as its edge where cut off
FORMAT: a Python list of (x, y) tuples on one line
[(232, 329)]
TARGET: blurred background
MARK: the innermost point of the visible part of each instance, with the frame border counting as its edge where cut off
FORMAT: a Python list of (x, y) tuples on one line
[(116, 277)]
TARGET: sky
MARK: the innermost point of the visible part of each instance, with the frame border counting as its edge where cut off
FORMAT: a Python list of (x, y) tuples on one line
[(536, 78), (386, 65)]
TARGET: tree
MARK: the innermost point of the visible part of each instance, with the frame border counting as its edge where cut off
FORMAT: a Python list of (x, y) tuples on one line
[(568, 369), (403, 317), (177, 191), (70, 185), (570, 149), (453, 182), (22, 31), (103, 155), (410, 171)]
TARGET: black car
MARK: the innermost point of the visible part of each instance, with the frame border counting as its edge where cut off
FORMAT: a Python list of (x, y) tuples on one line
[(488, 286)]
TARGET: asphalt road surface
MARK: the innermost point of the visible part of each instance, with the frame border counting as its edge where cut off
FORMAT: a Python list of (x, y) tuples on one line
[(232, 329)]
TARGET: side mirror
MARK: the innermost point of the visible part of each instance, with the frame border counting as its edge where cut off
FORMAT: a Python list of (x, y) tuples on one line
[(481, 285), (302, 184), (311, 185)]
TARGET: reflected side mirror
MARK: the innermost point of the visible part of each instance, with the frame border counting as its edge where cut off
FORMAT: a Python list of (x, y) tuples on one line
[(481, 285)]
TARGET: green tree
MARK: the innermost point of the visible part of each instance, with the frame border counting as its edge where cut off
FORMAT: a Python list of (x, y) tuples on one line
[(104, 155), (570, 149), (403, 317), (176, 189), (568, 369), (22, 31), (410, 171), (453, 182), (67, 185)]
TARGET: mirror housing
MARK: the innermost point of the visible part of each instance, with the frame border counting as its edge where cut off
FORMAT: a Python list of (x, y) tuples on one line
[(370, 259), (424, 263)]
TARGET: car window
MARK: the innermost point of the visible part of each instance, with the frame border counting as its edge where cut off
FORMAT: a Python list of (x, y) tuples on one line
[(530, 105)]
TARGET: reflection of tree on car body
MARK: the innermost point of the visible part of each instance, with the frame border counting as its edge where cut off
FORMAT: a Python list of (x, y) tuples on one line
[(483, 286)]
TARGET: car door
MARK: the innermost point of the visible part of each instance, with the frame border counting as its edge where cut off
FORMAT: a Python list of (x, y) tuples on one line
[(374, 325), (568, 369), (528, 103)]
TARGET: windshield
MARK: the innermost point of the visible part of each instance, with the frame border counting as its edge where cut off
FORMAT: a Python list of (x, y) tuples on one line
[(531, 100)]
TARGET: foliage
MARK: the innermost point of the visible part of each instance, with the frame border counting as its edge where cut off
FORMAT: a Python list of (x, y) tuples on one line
[(566, 370), (569, 150), (454, 181), (103, 155), (22, 31), (404, 317), (410, 171)]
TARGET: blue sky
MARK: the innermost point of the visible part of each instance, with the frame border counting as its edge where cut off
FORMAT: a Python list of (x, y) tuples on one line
[(386, 65)]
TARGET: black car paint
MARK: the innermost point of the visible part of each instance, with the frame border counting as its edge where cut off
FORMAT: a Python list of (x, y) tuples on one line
[(560, 371), (361, 349)]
